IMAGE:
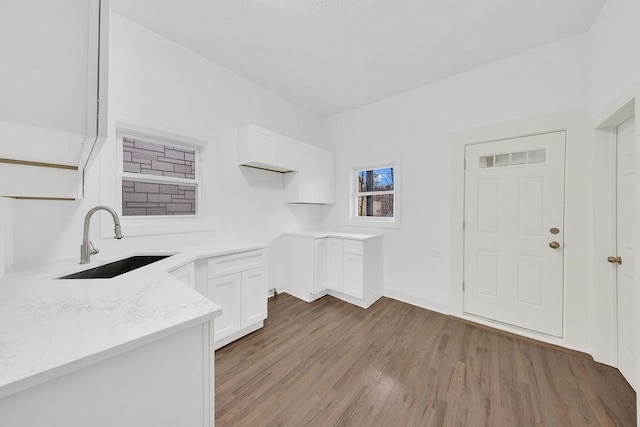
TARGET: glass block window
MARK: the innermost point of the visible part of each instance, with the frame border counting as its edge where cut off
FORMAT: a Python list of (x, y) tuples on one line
[(375, 192), (158, 179)]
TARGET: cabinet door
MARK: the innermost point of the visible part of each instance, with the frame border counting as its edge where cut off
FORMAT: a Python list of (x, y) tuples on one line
[(334, 264), (254, 296), (353, 278), (308, 173), (226, 292), (326, 184), (287, 154), (256, 147), (320, 265)]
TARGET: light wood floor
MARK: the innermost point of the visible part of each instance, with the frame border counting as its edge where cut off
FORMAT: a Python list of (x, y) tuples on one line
[(330, 363)]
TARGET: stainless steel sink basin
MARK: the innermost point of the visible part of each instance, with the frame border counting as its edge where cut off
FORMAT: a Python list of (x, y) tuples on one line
[(116, 268)]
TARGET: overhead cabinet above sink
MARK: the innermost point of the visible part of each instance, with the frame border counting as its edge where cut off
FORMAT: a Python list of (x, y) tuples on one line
[(53, 68)]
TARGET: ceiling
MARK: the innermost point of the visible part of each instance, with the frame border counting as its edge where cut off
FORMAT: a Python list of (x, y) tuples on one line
[(329, 56)]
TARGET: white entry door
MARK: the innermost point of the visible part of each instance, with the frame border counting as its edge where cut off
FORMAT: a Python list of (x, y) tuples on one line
[(514, 228), (625, 273)]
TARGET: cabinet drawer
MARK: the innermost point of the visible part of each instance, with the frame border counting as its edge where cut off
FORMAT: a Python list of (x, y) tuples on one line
[(229, 264), (353, 247)]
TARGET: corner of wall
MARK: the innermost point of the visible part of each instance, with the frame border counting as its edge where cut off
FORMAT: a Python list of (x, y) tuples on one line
[(6, 235)]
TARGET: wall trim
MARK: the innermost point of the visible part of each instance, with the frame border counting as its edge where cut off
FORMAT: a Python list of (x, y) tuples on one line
[(432, 304), (603, 323)]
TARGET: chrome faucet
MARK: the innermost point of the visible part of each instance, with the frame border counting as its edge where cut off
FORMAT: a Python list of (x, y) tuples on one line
[(87, 249)]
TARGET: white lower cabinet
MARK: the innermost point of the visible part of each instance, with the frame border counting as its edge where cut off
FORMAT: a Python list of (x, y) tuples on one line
[(226, 291), (253, 297), (306, 272), (238, 284), (334, 264), (347, 268), (353, 275)]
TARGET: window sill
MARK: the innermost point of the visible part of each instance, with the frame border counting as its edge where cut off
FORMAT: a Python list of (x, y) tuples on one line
[(374, 223), (155, 227)]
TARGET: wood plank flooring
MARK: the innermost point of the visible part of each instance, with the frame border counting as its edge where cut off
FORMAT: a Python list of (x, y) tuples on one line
[(329, 363)]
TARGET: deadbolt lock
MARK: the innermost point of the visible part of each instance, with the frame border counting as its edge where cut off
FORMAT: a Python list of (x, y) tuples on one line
[(554, 245), (615, 260), (554, 230)]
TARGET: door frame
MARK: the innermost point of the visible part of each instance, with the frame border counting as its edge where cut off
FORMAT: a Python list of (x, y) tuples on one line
[(603, 323), (577, 244), (555, 177)]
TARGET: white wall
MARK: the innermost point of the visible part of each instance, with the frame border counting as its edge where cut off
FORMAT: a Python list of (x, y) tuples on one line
[(615, 53), (155, 81), (417, 125), (6, 234)]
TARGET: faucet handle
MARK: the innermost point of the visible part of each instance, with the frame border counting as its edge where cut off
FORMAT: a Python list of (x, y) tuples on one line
[(92, 249)]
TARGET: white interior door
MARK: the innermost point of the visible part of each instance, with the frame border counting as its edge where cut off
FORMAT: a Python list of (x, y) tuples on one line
[(514, 229), (625, 249)]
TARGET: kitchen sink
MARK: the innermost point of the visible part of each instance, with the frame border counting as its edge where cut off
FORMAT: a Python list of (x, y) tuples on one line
[(116, 268)]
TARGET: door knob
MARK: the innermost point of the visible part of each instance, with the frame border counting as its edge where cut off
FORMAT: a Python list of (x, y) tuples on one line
[(554, 245), (615, 260)]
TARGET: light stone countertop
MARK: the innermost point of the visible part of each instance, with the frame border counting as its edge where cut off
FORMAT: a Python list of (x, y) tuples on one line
[(318, 234), (50, 328)]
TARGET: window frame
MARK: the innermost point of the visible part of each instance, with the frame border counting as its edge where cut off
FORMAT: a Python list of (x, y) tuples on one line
[(373, 221), (157, 179), (112, 174)]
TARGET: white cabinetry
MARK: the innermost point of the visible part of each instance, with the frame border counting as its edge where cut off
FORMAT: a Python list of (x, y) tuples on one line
[(334, 263), (353, 275), (167, 382), (314, 182), (261, 148), (306, 271), (54, 85), (238, 284), (347, 266), (226, 291), (253, 297)]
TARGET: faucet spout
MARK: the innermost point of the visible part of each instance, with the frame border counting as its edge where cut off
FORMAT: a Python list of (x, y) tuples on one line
[(86, 249)]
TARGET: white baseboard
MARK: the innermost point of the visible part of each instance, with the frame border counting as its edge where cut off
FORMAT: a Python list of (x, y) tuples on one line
[(410, 298), (237, 335)]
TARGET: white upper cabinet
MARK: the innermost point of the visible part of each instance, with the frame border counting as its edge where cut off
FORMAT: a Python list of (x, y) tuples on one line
[(314, 182), (261, 148), (53, 74), (326, 181)]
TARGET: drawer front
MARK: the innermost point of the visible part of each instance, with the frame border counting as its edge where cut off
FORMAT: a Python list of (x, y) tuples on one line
[(353, 247), (229, 264)]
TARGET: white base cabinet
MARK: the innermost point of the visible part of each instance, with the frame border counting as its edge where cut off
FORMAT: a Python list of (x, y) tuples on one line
[(334, 264), (238, 284), (348, 267), (166, 383), (306, 269), (353, 275)]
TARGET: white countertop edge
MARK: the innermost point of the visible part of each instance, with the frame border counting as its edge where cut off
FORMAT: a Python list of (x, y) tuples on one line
[(75, 365)]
